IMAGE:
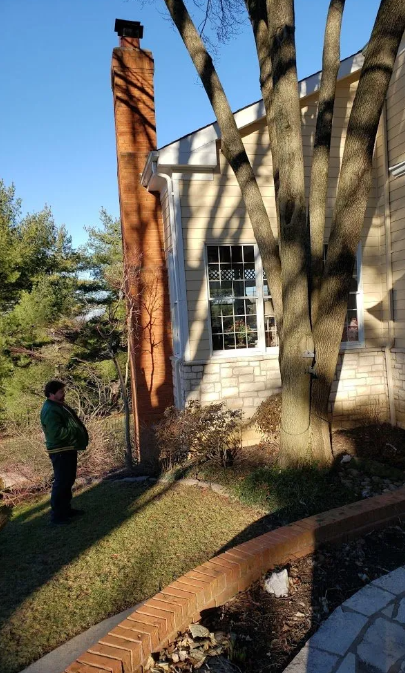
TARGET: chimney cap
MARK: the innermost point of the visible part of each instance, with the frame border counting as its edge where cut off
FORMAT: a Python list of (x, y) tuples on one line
[(126, 28)]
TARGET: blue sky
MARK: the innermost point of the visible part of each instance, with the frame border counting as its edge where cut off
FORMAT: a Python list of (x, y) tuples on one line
[(57, 132)]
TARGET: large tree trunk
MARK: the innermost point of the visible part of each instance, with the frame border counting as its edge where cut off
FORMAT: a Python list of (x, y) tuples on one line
[(296, 335), (351, 201)]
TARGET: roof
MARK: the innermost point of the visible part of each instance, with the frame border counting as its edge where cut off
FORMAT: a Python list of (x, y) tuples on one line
[(198, 149)]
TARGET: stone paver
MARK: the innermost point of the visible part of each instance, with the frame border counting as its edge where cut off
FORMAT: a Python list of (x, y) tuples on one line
[(369, 600), (383, 644), (393, 582), (348, 664), (311, 659), (366, 633), (339, 631)]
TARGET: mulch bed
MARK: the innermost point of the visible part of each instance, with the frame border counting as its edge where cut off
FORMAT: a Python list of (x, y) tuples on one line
[(265, 632)]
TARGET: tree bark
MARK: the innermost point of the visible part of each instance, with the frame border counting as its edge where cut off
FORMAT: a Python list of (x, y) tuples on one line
[(321, 153), (297, 336), (234, 150), (351, 201)]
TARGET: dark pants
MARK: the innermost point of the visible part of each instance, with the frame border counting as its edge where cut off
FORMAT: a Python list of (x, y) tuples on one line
[(64, 469)]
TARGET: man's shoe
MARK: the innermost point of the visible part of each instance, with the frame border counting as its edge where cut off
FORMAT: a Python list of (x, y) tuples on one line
[(75, 512)]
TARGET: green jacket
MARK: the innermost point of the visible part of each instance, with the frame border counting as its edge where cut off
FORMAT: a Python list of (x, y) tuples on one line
[(63, 429)]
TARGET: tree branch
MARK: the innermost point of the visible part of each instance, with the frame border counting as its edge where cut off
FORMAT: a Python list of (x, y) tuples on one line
[(355, 182), (322, 140), (257, 10), (233, 149)]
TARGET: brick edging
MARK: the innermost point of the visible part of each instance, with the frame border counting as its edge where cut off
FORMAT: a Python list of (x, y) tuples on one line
[(156, 622)]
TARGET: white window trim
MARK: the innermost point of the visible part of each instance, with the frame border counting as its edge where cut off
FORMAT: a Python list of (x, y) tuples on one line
[(261, 349), (353, 345)]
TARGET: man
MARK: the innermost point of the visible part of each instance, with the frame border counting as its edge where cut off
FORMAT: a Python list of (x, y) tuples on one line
[(65, 435)]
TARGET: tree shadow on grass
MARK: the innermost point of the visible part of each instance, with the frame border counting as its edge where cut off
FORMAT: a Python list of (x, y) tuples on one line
[(32, 551)]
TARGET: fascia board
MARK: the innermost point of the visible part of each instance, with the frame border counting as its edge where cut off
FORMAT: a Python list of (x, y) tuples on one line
[(198, 149)]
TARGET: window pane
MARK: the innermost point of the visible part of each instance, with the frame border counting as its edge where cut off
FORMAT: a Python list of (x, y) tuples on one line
[(252, 340), (270, 329), (266, 291), (351, 326), (239, 307), (236, 254), (225, 254), (212, 253), (228, 324), (251, 321), (216, 325), (229, 341), (213, 271), (218, 342), (250, 306), (227, 309), (248, 253), (215, 288)]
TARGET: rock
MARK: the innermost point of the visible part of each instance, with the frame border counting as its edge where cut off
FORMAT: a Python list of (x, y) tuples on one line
[(13, 480), (353, 472), (277, 584), (199, 631), (346, 458)]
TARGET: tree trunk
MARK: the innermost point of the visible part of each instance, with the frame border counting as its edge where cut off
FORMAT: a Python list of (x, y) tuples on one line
[(296, 334), (234, 150), (320, 157), (351, 201)]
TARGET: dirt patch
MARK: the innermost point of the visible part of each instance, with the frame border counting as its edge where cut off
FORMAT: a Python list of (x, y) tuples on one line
[(269, 632), (262, 633), (381, 442)]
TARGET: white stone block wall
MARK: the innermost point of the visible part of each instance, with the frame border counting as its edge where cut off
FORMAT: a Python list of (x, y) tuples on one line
[(398, 374), (242, 383), (359, 389)]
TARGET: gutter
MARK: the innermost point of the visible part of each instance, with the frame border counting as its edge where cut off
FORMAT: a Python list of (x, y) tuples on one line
[(388, 264)]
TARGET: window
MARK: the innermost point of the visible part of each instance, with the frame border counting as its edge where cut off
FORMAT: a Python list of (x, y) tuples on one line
[(353, 327), (241, 311), (233, 296)]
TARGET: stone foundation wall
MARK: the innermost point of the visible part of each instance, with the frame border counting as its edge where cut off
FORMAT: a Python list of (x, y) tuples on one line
[(398, 373), (359, 390), (242, 383)]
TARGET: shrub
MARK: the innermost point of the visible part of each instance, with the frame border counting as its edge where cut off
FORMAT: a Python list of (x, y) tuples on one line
[(267, 418), (202, 433)]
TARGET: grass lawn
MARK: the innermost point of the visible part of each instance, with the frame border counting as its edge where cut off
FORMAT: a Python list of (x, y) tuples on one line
[(56, 582)]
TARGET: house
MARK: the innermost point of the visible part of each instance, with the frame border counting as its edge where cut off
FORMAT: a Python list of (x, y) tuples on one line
[(182, 211)]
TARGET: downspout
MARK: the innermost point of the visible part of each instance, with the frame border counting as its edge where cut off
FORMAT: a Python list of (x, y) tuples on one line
[(388, 265), (179, 272)]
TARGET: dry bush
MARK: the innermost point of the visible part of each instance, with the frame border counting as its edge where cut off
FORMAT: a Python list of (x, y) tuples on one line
[(25, 457), (209, 433), (267, 418)]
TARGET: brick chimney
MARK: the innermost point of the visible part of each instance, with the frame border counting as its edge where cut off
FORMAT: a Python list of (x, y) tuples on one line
[(142, 228)]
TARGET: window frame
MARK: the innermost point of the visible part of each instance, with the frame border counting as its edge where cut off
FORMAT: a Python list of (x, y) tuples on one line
[(261, 348)]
